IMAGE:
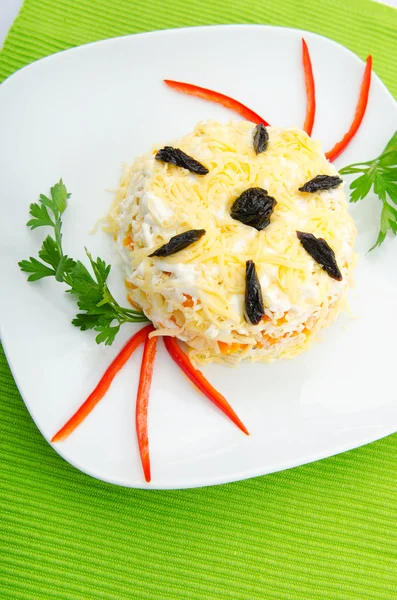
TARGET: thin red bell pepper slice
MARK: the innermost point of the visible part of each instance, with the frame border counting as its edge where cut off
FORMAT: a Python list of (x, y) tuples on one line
[(358, 116), (103, 384), (310, 89), (196, 377), (142, 403), (195, 90)]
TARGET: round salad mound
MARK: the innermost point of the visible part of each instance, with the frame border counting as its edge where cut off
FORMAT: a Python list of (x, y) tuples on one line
[(198, 293)]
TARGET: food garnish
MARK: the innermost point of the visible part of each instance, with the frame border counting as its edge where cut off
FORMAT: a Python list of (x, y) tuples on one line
[(254, 309), (179, 242), (310, 89), (261, 138), (98, 393), (358, 116), (198, 379), (321, 182), (177, 157), (322, 253), (381, 175), (100, 311), (142, 403), (253, 207), (200, 92)]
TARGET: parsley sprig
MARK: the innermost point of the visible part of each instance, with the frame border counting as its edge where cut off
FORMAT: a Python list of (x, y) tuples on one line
[(99, 310), (381, 174)]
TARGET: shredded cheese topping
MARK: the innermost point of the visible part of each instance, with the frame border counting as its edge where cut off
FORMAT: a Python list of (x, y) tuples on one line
[(198, 293)]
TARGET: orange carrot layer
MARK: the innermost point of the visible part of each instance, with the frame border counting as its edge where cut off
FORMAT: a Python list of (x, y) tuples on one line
[(142, 403), (103, 384), (231, 348), (310, 89), (196, 377), (200, 92), (359, 114)]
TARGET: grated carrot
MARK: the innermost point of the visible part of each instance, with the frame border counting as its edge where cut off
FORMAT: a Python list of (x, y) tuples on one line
[(128, 241), (188, 303), (231, 348)]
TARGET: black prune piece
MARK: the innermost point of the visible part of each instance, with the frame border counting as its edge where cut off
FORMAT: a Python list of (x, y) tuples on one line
[(254, 207), (261, 138), (321, 182), (177, 157), (322, 253), (254, 309), (179, 242)]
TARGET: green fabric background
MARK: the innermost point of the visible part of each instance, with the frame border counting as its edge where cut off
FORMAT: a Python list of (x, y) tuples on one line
[(322, 531)]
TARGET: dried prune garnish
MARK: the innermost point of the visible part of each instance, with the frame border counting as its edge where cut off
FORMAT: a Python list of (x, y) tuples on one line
[(254, 309), (322, 253), (254, 207), (321, 182), (177, 157), (179, 242), (261, 138)]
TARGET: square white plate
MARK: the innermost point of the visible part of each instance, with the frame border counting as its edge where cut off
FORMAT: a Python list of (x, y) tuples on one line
[(78, 115)]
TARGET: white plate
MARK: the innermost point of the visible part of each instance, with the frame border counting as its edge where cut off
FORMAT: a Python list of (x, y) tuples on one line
[(78, 115)]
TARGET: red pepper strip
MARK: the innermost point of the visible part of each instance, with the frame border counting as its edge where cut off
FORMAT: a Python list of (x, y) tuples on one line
[(103, 385), (358, 116), (310, 89), (142, 402), (196, 377), (195, 90)]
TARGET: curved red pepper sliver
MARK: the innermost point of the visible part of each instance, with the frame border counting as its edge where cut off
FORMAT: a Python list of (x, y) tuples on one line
[(103, 384), (196, 377), (238, 107), (142, 402), (310, 89), (358, 116)]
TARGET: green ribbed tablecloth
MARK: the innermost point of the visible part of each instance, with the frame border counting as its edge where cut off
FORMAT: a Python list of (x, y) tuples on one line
[(323, 531)]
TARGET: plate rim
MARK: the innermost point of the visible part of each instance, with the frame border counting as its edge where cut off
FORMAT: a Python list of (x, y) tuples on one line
[(213, 480)]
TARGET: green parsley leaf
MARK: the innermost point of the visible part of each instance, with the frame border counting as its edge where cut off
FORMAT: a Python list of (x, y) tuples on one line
[(64, 268), (388, 157), (37, 269), (101, 270), (388, 221), (99, 310), (49, 252), (60, 196), (40, 215), (107, 335), (379, 174), (360, 186)]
